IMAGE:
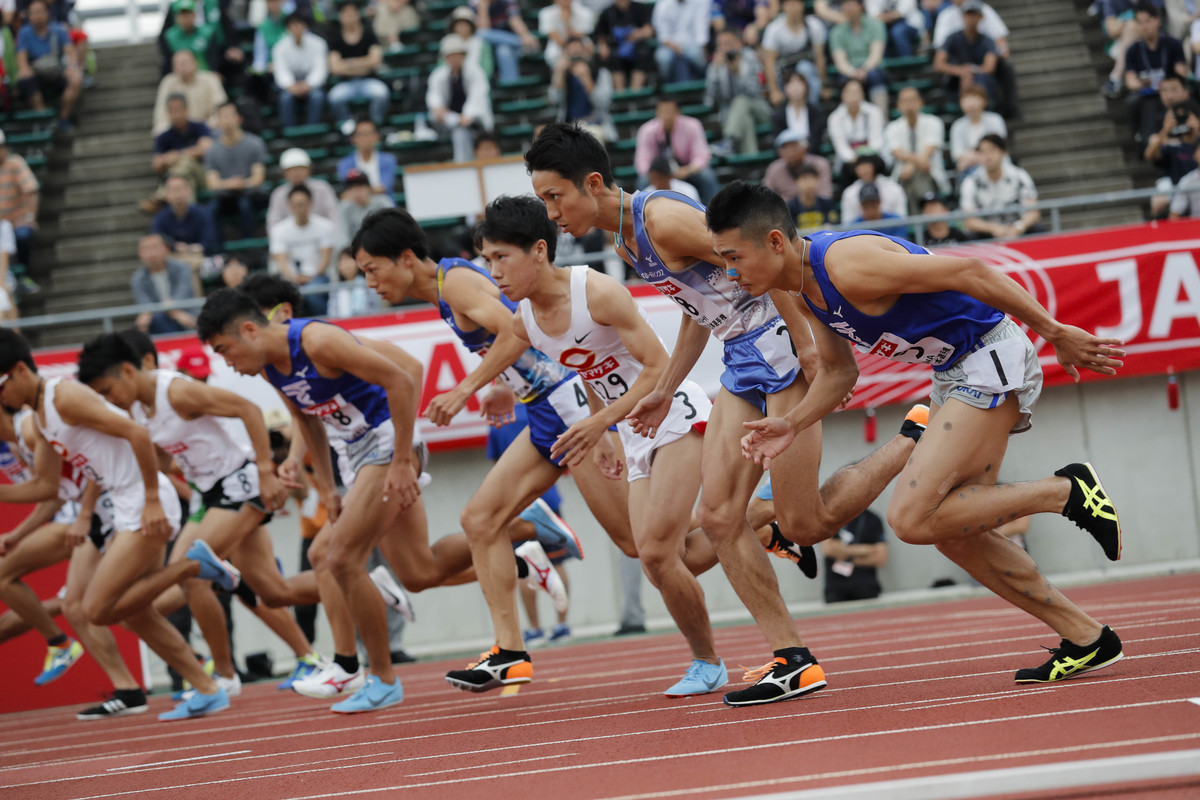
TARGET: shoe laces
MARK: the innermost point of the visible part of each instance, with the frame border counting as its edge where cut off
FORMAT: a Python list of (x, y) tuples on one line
[(484, 656), (758, 673)]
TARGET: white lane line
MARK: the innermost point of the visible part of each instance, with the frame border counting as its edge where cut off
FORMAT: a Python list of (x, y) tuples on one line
[(307, 763), (175, 761), (1195, 700), (547, 757)]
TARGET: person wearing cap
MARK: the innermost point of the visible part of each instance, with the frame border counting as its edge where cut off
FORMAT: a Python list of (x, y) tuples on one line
[(379, 167), (357, 201), (916, 142), (19, 197), (462, 22), (235, 168), (623, 33), (942, 232), (47, 63), (871, 215), (186, 34), (562, 20), (853, 125), (302, 247), (793, 150), (202, 90), (194, 362), (297, 171), (501, 25), (301, 68), (870, 169), (161, 279), (393, 18), (458, 97), (968, 57), (354, 60)]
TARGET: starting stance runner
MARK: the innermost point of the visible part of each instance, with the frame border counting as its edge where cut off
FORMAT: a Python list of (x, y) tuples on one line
[(893, 298), (589, 323), (667, 242)]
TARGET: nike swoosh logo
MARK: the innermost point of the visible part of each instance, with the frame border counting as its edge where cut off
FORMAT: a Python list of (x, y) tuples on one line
[(580, 339)]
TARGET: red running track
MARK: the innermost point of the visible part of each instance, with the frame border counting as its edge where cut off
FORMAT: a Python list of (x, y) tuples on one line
[(914, 691)]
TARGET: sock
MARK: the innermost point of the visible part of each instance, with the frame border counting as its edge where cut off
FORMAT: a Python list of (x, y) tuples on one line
[(58, 641), (348, 663), (131, 694), (513, 655), (246, 595), (777, 536), (912, 430), (795, 655), (522, 568)]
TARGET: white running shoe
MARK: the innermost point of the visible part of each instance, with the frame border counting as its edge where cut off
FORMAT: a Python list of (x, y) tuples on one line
[(542, 574), (393, 592), (232, 686), (330, 681)]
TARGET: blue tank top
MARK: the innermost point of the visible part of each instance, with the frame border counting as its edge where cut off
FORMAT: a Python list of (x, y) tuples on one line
[(702, 290), (935, 328), (348, 405), (533, 375)]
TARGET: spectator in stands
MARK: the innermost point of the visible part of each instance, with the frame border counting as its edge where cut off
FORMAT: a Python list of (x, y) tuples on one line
[(563, 20), (793, 42), (235, 167), (869, 169), (915, 141), (302, 246), (393, 18), (357, 201), (829, 12), (622, 35), (680, 139), (459, 98), (19, 198), (746, 18), (582, 91), (354, 59), (781, 174), (367, 158), (301, 67), (951, 20), (462, 22), (937, 233), (853, 125), (810, 209), (1122, 31), (968, 57), (871, 214), (996, 184), (1172, 149), (1185, 202), (161, 279), (682, 30), (48, 64), (180, 149), (8, 284), (975, 123), (661, 178), (732, 86), (269, 33), (187, 228), (187, 34), (203, 91), (233, 272), (1173, 91), (799, 114), (351, 297), (487, 146), (500, 24), (1147, 62), (904, 22), (857, 47), (297, 171), (852, 559)]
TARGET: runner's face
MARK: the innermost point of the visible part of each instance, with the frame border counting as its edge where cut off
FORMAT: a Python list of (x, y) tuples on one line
[(390, 279), (572, 210), (514, 270), (747, 264), (117, 386), (239, 352)]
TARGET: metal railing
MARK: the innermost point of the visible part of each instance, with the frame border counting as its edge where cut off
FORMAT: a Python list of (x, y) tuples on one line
[(917, 223)]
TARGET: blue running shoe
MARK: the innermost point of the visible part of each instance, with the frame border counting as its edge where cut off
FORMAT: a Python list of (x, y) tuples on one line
[(560, 632), (305, 666), (212, 568), (701, 678), (58, 661), (552, 532), (197, 705), (534, 636), (374, 695)]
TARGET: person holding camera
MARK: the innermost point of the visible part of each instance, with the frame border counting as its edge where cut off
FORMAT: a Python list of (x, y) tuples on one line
[(731, 85), (1147, 61), (1173, 150), (581, 91), (623, 39)]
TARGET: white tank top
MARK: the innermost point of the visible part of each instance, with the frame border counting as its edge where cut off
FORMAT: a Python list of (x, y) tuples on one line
[(593, 350), (205, 450), (70, 482), (107, 460)]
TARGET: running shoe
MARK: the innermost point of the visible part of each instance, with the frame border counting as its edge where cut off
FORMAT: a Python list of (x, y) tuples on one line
[(231, 686), (701, 678), (305, 666), (209, 668), (118, 704), (560, 632), (533, 637), (915, 422), (212, 568), (492, 671), (198, 705), (58, 661), (779, 679), (1090, 508), (542, 574), (1068, 659), (552, 531), (803, 556), (393, 593), (329, 681), (374, 695)]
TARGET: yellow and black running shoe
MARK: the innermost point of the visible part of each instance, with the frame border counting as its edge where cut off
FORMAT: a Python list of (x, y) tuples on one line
[(1090, 508), (1069, 660)]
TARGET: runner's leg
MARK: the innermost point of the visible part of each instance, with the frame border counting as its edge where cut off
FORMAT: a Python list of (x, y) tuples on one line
[(97, 640), (39, 549)]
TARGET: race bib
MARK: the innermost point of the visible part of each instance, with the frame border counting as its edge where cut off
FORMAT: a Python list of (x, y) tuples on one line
[(242, 485), (930, 350), (344, 420), (997, 368), (777, 348)]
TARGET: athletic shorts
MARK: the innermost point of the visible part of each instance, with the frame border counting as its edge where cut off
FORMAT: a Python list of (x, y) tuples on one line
[(236, 489), (760, 363), (689, 410), (1004, 361), (128, 503), (102, 522), (551, 414), (68, 513), (373, 448)]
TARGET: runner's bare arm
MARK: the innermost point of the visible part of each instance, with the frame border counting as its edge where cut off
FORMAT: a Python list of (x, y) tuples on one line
[(46, 467)]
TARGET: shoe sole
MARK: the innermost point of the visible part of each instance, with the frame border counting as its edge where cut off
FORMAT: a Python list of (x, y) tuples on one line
[(1076, 673), (122, 713), (379, 707), (325, 695), (1092, 471), (694, 694), (798, 692), (205, 713), (486, 687)]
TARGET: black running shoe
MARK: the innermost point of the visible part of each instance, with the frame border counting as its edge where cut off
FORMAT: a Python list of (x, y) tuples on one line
[(1090, 509), (1068, 660), (805, 557), (118, 704), (492, 670), (780, 679)]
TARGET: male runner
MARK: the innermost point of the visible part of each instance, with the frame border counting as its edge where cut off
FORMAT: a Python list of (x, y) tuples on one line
[(890, 297), (670, 247)]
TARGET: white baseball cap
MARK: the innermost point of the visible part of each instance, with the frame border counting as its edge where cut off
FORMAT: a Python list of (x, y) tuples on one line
[(294, 157)]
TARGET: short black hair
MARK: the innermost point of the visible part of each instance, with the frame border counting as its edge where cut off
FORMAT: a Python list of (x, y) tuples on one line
[(106, 352), (225, 308), (268, 291), (1147, 7), (388, 232), (295, 16), (809, 170), (299, 188), (569, 150), (358, 123), (177, 97), (751, 208), (486, 136), (230, 103), (142, 344), (14, 350), (519, 221), (996, 140), (661, 165)]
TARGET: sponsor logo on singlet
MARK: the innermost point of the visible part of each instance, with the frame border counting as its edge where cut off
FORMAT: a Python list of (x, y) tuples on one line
[(600, 370)]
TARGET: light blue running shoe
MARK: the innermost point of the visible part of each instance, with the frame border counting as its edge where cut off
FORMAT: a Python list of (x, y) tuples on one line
[(305, 666), (374, 695), (212, 567), (58, 661), (701, 678), (552, 532), (197, 705)]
